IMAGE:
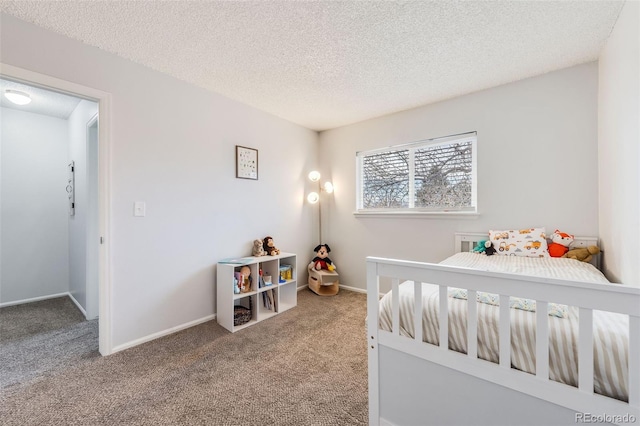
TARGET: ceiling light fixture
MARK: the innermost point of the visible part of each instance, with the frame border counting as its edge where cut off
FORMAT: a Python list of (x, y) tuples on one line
[(17, 97)]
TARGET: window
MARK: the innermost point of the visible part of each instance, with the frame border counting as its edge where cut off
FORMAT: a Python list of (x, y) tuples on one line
[(434, 175)]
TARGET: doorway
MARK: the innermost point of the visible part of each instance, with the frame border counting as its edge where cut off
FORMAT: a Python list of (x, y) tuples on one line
[(94, 298)]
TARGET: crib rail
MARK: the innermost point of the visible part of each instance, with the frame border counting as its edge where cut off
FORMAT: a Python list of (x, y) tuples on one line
[(587, 296)]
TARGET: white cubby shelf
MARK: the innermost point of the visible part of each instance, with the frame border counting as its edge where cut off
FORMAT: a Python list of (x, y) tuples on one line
[(285, 294)]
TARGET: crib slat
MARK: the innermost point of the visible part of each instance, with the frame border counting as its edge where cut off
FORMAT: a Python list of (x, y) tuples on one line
[(542, 340), (634, 361), (505, 332), (472, 324), (417, 314), (444, 317), (395, 306), (585, 351)]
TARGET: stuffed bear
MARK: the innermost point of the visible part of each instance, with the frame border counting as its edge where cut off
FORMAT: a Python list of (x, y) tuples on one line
[(582, 254), (258, 249), (322, 261), (560, 242), (269, 246)]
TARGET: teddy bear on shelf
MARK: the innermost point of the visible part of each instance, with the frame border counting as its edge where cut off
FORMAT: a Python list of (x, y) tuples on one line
[(269, 246), (322, 261), (560, 242), (583, 254), (258, 249)]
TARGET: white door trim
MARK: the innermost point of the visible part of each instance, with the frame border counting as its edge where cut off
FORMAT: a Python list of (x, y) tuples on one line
[(104, 182), (93, 235)]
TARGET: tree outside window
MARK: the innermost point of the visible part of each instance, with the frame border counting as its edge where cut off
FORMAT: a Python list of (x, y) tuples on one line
[(431, 175)]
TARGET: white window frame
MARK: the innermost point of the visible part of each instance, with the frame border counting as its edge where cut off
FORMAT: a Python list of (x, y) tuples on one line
[(470, 137)]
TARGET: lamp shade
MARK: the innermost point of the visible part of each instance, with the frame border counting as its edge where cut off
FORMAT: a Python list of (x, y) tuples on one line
[(313, 197), (328, 187), (314, 176)]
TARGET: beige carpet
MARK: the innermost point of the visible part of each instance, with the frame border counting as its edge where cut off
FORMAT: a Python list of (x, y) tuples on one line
[(307, 366)]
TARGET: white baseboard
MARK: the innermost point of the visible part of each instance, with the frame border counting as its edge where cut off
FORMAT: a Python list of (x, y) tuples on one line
[(73, 299), (344, 287), (356, 289), (161, 334), (385, 422), (33, 299)]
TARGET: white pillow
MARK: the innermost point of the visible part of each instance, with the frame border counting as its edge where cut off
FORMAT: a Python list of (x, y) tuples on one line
[(530, 242)]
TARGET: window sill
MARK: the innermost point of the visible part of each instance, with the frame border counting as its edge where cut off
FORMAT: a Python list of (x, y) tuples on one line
[(418, 214)]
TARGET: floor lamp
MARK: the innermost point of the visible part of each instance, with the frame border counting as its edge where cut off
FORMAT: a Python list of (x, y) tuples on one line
[(322, 282), (314, 197)]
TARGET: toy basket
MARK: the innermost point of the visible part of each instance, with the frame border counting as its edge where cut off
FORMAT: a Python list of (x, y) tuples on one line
[(241, 314)]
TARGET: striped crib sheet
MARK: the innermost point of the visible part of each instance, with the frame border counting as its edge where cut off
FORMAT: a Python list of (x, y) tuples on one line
[(610, 329)]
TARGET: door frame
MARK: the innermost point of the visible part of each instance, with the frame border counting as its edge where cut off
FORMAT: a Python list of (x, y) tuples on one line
[(103, 99), (92, 145)]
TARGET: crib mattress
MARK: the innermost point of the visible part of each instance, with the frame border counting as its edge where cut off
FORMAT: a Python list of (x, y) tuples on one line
[(610, 332)]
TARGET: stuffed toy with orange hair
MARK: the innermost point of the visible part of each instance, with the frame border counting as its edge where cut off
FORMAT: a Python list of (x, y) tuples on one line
[(560, 242)]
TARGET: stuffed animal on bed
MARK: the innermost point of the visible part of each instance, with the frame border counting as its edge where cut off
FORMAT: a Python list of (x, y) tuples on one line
[(322, 261), (480, 247), (583, 254), (560, 242), (270, 247), (489, 249)]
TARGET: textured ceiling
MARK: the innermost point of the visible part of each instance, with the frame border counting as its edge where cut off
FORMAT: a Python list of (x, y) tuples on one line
[(324, 64), (43, 101)]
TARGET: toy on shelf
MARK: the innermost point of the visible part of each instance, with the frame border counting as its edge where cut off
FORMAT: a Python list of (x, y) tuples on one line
[(267, 280), (258, 249), (245, 279), (270, 247), (323, 278), (560, 242), (286, 273)]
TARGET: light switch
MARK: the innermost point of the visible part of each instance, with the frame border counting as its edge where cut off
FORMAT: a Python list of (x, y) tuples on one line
[(139, 208)]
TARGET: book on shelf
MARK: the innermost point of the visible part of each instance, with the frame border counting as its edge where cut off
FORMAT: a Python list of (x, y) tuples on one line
[(270, 298), (236, 260)]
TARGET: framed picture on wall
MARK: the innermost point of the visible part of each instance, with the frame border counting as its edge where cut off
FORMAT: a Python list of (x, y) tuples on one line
[(246, 163)]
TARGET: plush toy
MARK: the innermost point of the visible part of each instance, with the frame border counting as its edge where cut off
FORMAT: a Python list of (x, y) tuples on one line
[(560, 242), (322, 261), (258, 249), (245, 279), (489, 249), (583, 254), (269, 246), (480, 247)]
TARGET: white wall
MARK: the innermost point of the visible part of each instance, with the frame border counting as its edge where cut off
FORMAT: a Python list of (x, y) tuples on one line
[(34, 217), (619, 147), (173, 146), (537, 162), (79, 221)]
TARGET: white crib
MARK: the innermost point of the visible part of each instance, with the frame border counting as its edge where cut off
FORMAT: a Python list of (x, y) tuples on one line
[(413, 382)]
